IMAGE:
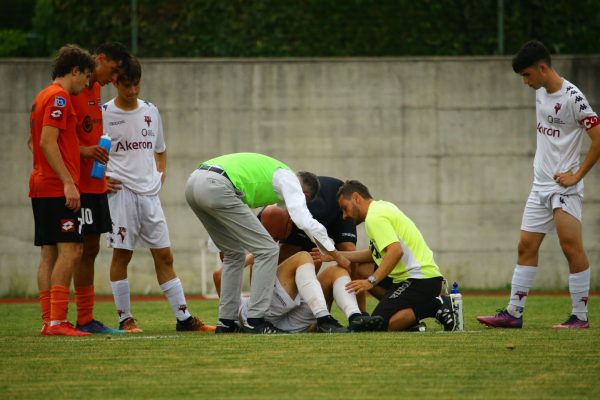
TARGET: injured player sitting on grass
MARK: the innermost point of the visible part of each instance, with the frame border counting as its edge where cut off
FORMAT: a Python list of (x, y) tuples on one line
[(301, 301)]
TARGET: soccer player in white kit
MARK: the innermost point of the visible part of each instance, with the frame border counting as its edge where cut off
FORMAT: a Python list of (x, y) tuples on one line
[(563, 115), (135, 173)]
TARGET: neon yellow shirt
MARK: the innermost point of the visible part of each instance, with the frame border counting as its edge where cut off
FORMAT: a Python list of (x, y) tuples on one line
[(386, 224)]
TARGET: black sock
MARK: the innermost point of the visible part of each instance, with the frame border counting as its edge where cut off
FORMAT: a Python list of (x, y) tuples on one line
[(324, 318), (355, 315)]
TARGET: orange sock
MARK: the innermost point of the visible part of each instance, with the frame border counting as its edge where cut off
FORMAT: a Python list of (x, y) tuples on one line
[(84, 300), (45, 305), (59, 303)]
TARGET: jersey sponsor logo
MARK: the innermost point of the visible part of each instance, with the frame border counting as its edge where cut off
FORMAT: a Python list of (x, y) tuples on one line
[(590, 122), (56, 114), (88, 123), (147, 120), (147, 132), (141, 145), (557, 108), (67, 225), (555, 120), (547, 131), (60, 101), (115, 123), (91, 103)]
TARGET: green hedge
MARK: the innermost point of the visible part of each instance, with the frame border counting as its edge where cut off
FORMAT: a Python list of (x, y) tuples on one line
[(307, 28)]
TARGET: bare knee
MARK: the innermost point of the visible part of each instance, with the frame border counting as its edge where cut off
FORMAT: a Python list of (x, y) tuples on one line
[(332, 273)]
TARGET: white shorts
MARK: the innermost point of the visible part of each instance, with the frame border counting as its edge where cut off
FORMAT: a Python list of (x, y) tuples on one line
[(538, 215), (291, 315), (138, 221)]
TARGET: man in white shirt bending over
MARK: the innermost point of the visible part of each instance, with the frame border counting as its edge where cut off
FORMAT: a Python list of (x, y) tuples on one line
[(221, 192)]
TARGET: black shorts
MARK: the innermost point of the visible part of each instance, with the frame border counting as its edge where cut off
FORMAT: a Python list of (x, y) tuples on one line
[(418, 294), (95, 214), (54, 222), (339, 231)]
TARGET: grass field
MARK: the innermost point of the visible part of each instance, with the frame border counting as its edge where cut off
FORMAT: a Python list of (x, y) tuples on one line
[(160, 363)]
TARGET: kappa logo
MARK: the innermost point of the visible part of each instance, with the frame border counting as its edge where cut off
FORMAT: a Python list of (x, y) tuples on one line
[(557, 108), (562, 200), (122, 232), (182, 308), (67, 225), (60, 101), (56, 114), (147, 120)]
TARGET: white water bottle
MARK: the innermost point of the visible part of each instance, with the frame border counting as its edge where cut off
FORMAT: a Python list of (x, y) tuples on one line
[(457, 304), (98, 167)]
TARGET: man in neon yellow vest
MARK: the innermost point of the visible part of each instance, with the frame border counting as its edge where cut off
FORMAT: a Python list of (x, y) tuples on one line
[(399, 251), (221, 192)]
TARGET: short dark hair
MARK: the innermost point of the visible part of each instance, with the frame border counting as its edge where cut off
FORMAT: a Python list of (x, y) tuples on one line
[(310, 182), (114, 51), (532, 52), (131, 72), (69, 57), (353, 186)]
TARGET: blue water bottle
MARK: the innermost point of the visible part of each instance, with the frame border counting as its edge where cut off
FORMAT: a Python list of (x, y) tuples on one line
[(456, 298), (99, 167)]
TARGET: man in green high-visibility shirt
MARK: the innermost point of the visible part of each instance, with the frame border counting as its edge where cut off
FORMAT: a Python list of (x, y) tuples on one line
[(398, 250), (221, 192)]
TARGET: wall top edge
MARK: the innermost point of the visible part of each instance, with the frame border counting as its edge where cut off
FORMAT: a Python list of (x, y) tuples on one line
[(292, 60)]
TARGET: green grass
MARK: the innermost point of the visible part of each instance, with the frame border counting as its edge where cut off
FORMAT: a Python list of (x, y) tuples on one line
[(161, 363)]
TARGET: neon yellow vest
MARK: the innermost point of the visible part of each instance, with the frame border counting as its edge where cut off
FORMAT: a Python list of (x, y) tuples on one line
[(252, 174)]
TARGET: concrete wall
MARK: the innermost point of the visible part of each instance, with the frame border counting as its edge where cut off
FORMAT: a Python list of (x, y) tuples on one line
[(449, 140)]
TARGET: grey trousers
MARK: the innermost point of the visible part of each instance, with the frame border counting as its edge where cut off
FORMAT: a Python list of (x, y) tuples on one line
[(234, 228)]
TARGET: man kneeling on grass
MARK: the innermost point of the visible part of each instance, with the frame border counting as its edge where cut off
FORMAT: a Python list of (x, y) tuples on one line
[(398, 250)]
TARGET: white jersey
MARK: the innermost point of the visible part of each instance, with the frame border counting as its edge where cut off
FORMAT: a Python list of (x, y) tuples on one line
[(136, 135), (562, 119)]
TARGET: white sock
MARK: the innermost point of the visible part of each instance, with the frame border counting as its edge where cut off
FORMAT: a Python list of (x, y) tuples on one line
[(174, 292), (120, 291), (310, 290), (579, 287), (345, 301), (521, 283)]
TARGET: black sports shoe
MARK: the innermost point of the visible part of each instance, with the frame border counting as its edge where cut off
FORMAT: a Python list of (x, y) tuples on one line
[(194, 324), (328, 324), (225, 328), (366, 323), (265, 328), (446, 316)]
